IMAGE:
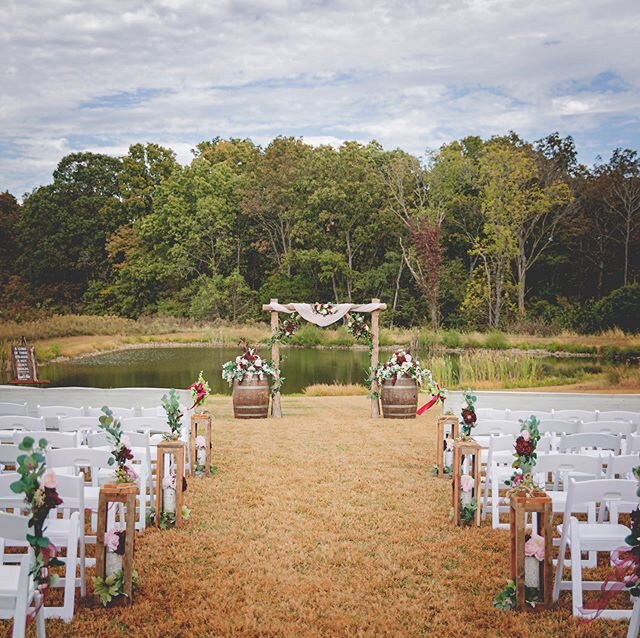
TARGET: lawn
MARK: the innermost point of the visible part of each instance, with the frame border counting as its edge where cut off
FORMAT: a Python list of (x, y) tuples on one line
[(324, 523)]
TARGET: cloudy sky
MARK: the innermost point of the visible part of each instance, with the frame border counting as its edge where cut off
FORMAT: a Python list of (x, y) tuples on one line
[(410, 73)]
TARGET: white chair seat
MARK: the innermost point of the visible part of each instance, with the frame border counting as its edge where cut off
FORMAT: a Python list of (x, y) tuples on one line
[(606, 536)]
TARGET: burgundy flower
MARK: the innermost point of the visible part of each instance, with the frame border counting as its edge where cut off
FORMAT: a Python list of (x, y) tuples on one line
[(524, 448), (469, 416), (123, 454), (51, 498)]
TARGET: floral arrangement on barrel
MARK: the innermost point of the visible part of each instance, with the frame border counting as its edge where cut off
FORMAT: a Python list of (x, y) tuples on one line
[(171, 405), (286, 329), (112, 585), (121, 452), (324, 309), (249, 364), (200, 390), (358, 328), (468, 413), (39, 488), (403, 364)]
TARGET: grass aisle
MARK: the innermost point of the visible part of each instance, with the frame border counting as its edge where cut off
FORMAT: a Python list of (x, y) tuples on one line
[(325, 523)]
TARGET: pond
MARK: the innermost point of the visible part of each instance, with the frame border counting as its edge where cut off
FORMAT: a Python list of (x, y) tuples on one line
[(179, 366)]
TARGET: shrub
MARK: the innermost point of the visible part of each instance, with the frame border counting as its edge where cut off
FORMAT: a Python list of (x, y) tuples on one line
[(621, 309), (308, 336), (451, 339), (496, 341)]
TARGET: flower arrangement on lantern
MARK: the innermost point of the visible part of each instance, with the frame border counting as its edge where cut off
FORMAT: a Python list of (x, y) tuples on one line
[(39, 488), (200, 390), (112, 585), (468, 413), (525, 450), (250, 363), (121, 452), (468, 504), (324, 309), (358, 328), (168, 514), (171, 405), (285, 329), (201, 453)]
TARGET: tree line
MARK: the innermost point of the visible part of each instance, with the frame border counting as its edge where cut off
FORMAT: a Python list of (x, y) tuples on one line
[(496, 233)]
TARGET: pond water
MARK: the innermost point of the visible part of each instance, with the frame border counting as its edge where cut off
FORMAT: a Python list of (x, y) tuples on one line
[(179, 366)]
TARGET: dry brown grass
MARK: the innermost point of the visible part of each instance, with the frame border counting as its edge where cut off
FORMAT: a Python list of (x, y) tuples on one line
[(325, 523), (335, 390)]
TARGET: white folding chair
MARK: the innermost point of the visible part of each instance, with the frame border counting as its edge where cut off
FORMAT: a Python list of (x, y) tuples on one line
[(620, 415), (18, 594), (51, 413), (499, 461), (9, 456), (157, 411), (621, 467), (62, 532), (13, 409), (575, 415), (54, 439), (606, 427), (141, 450), (496, 428), (633, 443), (80, 424), (590, 536), (591, 443), (557, 427), (12, 423)]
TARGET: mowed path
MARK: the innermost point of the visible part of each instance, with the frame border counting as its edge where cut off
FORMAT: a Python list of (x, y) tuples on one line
[(324, 523)]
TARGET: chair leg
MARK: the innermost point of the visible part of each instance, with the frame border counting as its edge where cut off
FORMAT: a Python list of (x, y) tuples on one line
[(40, 631), (634, 622), (560, 567), (83, 578), (71, 563), (576, 570)]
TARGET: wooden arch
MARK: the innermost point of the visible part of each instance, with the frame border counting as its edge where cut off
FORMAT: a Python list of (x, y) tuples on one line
[(276, 410)]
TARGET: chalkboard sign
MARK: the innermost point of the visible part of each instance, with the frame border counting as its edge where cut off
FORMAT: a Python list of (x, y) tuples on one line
[(25, 366)]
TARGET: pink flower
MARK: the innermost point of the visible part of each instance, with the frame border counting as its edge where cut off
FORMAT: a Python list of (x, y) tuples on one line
[(201, 441), (49, 479), (466, 482), (526, 435), (112, 540), (535, 547), (169, 482), (126, 441), (130, 473)]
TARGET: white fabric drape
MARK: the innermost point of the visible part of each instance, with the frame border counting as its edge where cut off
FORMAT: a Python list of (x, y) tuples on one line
[(305, 310)]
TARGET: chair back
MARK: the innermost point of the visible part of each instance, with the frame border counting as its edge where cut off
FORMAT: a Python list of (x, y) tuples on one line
[(13, 526), (55, 411), (151, 424), (622, 466), (13, 409), (599, 491), (607, 427), (54, 439), (117, 412), (620, 415), (494, 428), (591, 441), (553, 426), (8, 498), (575, 415), (78, 424), (633, 443), (556, 464), (71, 491), (16, 422), (9, 455), (516, 415), (491, 413), (157, 411), (79, 458)]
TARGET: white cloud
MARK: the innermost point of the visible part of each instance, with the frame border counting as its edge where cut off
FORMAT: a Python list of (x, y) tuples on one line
[(93, 75)]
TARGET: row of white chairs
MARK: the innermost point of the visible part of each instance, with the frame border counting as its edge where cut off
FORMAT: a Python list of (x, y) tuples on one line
[(22, 409), (626, 416), (494, 426)]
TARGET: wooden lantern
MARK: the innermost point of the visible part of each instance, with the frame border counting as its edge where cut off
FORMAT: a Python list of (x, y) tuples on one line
[(540, 573), (125, 493), (174, 451), (200, 421), (447, 426), (466, 460)]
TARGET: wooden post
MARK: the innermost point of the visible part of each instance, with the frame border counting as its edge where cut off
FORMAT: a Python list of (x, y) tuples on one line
[(198, 420), (175, 450), (276, 409), (466, 451), (117, 493), (519, 507), (442, 423), (375, 337)]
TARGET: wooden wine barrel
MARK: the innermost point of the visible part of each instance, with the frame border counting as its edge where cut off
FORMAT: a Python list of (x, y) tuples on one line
[(251, 398), (399, 400)]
